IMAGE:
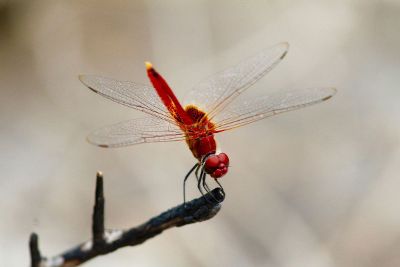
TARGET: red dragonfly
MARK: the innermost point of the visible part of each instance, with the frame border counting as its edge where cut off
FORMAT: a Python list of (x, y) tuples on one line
[(212, 108)]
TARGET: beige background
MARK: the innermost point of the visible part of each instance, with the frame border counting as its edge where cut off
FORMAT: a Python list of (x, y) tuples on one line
[(316, 187)]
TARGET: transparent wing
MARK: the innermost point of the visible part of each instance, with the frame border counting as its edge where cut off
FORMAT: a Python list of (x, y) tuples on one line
[(136, 131), (248, 111), (137, 96), (216, 92)]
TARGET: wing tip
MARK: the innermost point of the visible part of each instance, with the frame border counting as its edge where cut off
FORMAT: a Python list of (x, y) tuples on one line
[(326, 92), (286, 49), (333, 92), (88, 139), (103, 145), (83, 80), (284, 55)]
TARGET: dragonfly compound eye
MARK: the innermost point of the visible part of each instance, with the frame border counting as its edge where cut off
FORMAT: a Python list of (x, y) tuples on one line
[(223, 158), (211, 163), (217, 165)]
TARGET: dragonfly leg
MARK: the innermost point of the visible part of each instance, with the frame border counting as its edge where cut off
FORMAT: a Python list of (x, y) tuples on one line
[(207, 188), (220, 186), (202, 173), (196, 166), (197, 171), (205, 185)]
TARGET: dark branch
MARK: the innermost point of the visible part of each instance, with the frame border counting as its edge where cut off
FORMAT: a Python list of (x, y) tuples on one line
[(34, 249), (98, 213), (107, 241)]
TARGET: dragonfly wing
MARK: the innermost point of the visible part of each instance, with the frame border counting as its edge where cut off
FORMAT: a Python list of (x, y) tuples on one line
[(216, 92), (247, 111), (136, 131), (137, 96)]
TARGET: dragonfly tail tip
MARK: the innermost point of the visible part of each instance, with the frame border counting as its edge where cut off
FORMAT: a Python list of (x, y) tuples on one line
[(148, 65)]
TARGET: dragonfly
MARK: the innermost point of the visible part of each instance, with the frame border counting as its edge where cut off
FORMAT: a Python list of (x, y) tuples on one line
[(211, 107)]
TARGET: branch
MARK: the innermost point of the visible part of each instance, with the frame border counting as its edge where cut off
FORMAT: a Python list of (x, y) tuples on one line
[(98, 213), (34, 249), (107, 241)]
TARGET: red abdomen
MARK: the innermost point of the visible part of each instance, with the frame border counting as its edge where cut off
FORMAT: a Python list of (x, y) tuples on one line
[(198, 128)]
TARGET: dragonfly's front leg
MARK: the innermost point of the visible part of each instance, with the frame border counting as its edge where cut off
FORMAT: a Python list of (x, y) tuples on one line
[(207, 188), (220, 186), (200, 166), (196, 166), (199, 179), (205, 185)]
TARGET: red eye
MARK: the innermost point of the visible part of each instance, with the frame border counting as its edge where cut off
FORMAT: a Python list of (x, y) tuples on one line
[(223, 158), (218, 173), (212, 162)]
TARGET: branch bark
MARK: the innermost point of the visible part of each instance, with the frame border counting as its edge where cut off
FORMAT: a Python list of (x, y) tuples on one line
[(106, 241)]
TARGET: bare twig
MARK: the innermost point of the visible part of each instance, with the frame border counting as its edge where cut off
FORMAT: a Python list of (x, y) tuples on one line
[(34, 249), (107, 241), (98, 213)]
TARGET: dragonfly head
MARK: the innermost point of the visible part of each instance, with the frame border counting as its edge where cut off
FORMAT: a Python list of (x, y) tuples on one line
[(216, 165)]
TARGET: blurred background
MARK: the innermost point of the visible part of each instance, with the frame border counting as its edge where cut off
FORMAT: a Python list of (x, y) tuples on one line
[(315, 187)]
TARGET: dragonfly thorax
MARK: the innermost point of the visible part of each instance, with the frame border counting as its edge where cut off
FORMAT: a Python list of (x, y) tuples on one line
[(216, 165), (199, 134), (201, 123), (202, 146)]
